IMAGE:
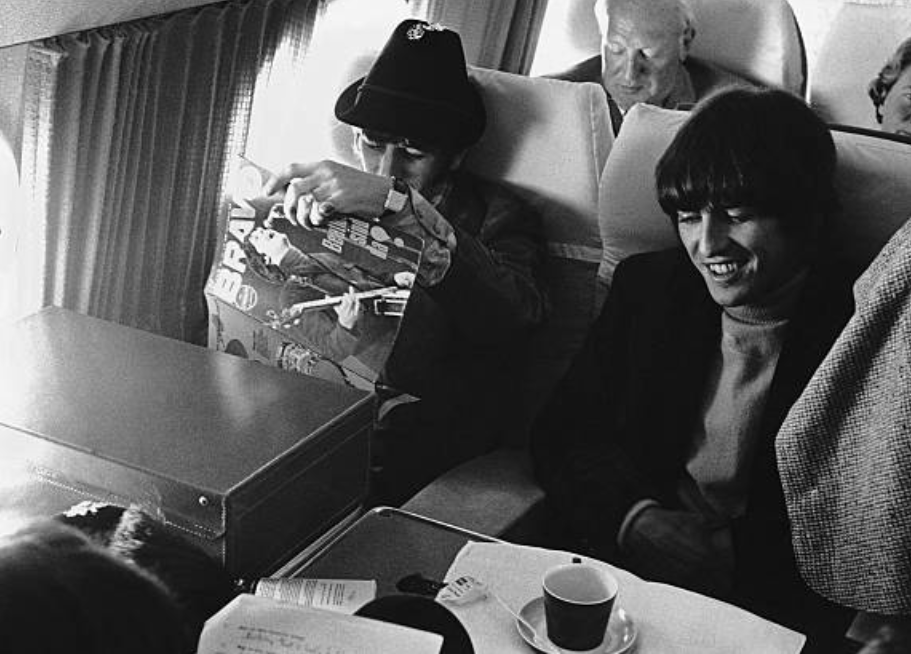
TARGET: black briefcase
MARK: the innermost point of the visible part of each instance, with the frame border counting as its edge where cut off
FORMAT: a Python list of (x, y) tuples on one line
[(252, 462)]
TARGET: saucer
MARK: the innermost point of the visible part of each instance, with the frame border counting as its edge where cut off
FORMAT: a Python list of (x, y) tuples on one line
[(619, 636)]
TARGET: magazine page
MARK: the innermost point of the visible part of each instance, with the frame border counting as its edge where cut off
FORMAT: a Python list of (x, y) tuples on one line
[(324, 300), (342, 595)]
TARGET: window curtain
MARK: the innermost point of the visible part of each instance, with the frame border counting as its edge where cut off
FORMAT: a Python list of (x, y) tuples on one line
[(127, 133), (10, 210), (499, 34)]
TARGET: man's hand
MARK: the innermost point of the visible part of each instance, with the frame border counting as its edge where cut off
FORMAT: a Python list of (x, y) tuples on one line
[(348, 310), (315, 191), (680, 548)]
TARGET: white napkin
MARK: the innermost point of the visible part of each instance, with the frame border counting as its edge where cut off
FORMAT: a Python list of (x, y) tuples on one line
[(669, 620)]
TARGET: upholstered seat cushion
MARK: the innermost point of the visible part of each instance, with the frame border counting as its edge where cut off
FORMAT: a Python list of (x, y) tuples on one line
[(549, 140), (757, 39)]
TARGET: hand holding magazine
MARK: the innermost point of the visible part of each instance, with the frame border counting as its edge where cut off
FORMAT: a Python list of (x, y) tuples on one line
[(323, 300)]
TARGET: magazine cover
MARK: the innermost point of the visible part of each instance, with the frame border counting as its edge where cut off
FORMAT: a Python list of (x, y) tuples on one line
[(325, 301)]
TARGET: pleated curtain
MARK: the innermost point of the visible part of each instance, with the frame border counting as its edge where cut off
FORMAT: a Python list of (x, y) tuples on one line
[(127, 133)]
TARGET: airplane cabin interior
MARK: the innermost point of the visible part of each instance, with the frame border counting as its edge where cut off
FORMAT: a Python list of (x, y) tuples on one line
[(252, 356)]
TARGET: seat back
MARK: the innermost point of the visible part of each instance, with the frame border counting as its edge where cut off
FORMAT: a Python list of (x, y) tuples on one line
[(548, 140), (759, 40), (873, 180), (861, 37)]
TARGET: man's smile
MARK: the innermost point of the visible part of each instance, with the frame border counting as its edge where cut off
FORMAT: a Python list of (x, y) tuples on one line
[(724, 271)]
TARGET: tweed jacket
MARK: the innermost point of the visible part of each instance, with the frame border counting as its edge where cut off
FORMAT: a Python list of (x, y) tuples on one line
[(845, 449), (618, 429)]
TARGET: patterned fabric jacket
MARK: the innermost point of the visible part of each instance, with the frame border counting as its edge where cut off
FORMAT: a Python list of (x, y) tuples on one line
[(844, 450)]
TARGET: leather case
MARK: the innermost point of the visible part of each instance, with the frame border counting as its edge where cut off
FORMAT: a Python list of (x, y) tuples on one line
[(251, 462)]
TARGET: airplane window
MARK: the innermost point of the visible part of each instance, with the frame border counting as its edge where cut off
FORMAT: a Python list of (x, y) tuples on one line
[(293, 113), (569, 34)]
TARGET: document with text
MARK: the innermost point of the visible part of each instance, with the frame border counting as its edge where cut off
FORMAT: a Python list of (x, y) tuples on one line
[(250, 624), (342, 595)]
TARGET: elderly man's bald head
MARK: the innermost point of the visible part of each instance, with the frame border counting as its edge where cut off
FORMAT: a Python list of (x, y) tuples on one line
[(643, 46), (682, 7)]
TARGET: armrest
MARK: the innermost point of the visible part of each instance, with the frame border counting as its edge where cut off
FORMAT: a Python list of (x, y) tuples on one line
[(493, 494)]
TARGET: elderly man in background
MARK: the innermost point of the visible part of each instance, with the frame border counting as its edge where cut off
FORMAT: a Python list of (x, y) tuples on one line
[(443, 391), (645, 57), (891, 92)]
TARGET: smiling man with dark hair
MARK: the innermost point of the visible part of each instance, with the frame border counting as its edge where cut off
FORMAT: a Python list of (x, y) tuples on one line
[(657, 450)]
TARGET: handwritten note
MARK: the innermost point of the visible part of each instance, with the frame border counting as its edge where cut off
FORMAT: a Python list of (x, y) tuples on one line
[(342, 595), (250, 624)]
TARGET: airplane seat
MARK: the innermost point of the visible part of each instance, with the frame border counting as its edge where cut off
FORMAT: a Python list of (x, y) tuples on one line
[(547, 140), (861, 37), (759, 40)]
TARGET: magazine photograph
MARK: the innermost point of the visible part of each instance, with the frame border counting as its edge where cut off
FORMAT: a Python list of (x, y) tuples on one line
[(322, 300)]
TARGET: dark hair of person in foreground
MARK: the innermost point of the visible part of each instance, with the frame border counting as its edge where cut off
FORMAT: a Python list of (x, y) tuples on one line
[(762, 148), (198, 583), (60, 592)]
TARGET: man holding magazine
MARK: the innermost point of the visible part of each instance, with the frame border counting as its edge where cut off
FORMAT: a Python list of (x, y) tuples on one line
[(476, 295)]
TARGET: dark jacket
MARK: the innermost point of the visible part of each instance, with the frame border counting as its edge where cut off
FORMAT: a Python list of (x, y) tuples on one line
[(618, 428), (458, 341)]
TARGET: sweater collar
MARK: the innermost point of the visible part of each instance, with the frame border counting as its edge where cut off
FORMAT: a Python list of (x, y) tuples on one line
[(778, 306)]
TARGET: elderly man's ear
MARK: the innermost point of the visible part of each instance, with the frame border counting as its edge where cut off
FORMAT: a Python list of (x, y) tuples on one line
[(686, 41)]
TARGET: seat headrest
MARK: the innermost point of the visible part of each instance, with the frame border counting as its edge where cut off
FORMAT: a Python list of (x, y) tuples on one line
[(861, 37), (873, 180), (631, 220), (547, 139), (757, 39)]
